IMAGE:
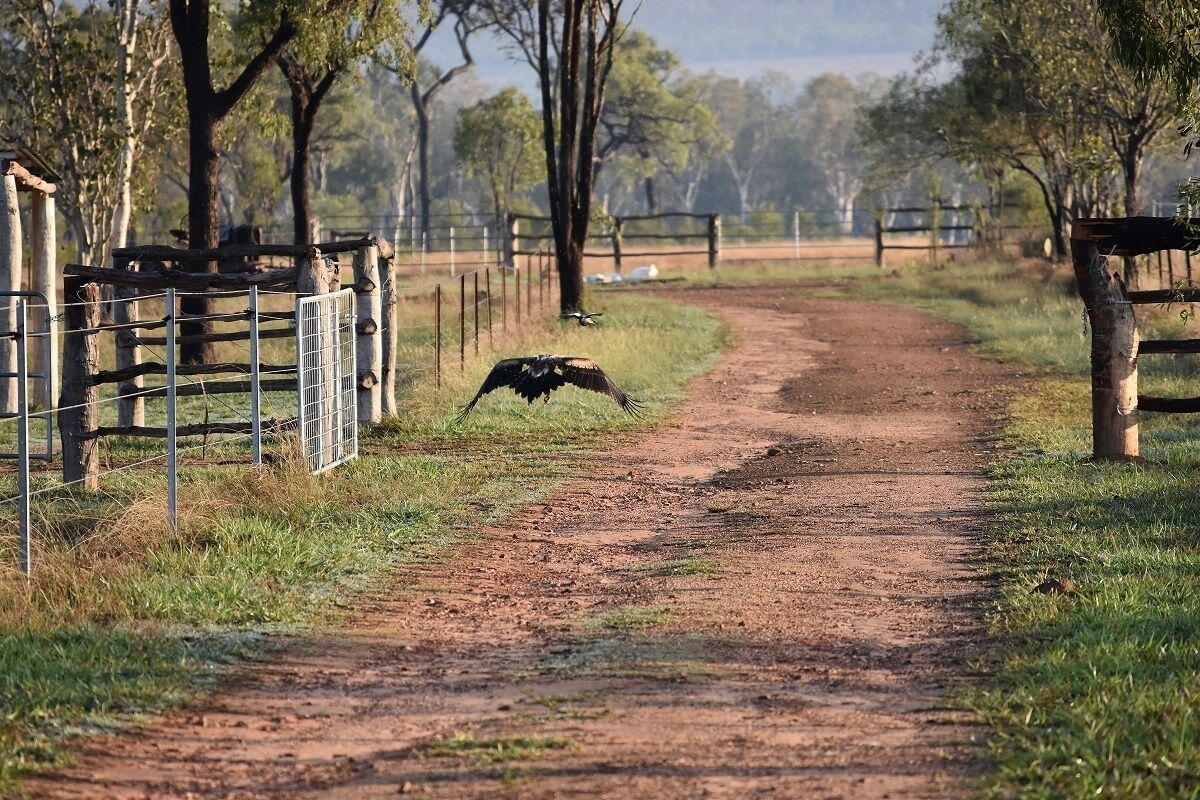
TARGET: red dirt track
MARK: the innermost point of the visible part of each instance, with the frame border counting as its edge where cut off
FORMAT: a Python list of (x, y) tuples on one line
[(767, 596)]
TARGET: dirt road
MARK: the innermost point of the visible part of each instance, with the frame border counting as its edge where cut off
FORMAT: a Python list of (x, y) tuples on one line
[(766, 597)]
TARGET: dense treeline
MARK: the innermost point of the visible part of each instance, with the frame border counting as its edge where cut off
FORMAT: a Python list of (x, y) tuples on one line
[(331, 109)]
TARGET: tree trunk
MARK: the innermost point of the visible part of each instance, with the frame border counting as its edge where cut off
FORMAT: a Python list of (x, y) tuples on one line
[(651, 202), (203, 227), (424, 192), (1113, 355), (127, 20), (846, 209), (303, 115)]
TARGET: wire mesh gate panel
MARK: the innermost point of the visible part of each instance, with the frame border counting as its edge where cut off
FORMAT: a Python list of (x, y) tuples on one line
[(327, 407)]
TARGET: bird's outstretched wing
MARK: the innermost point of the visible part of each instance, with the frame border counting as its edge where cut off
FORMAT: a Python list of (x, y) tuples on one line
[(586, 374), (505, 373), (570, 315)]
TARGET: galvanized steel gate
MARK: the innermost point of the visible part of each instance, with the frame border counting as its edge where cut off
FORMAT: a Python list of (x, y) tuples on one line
[(327, 410)]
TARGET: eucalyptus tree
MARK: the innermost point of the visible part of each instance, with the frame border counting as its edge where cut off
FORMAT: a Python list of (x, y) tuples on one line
[(1090, 116), (1159, 42), (705, 145), (427, 81), (571, 45), (754, 114), (652, 117), (315, 60), (210, 101), (828, 109), (87, 87), (498, 138)]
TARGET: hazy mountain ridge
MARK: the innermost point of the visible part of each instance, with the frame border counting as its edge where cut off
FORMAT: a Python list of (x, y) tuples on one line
[(800, 37), (704, 31)]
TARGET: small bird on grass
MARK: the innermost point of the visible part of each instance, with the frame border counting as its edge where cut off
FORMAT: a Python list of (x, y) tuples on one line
[(532, 377), (585, 320)]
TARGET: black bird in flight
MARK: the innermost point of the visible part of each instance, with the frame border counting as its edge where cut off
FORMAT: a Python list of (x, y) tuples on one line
[(584, 320), (532, 377)]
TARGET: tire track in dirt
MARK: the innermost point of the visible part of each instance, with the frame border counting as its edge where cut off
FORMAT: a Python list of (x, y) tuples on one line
[(765, 597)]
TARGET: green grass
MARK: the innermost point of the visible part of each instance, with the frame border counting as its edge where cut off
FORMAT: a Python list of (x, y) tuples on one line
[(627, 618), (1095, 693), (682, 566), (123, 619), (499, 749)]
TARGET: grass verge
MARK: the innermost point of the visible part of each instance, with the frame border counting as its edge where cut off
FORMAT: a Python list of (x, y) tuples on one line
[(1092, 693), (499, 749), (121, 619)]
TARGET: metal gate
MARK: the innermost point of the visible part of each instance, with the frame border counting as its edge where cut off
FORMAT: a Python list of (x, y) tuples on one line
[(326, 401)]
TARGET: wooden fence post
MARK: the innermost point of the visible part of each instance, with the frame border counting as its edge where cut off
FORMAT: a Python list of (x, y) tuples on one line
[(462, 323), (368, 351), (1113, 356), (879, 240), (312, 274), (390, 334), (618, 231), (10, 281), (487, 298), (504, 298), (437, 336), (714, 240), (45, 280), (131, 408), (512, 235), (78, 415)]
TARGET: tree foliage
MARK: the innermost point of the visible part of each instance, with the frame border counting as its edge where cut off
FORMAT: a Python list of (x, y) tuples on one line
[(59, 96), (499, 139)]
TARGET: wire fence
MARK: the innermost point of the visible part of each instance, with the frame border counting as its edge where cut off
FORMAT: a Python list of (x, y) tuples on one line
[(146, 419)]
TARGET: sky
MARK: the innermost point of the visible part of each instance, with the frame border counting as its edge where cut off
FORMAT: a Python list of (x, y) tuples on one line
[(742, 37)]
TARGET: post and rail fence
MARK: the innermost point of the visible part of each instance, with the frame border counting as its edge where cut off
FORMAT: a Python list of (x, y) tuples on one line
[(1111, 306), (123, 354)]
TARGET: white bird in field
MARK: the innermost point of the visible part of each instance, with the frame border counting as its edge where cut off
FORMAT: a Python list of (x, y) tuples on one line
[(585, 320)]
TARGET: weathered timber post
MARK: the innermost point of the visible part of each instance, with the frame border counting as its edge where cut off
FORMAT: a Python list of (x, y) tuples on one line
[(462, 323), (390, 334), (45, 280), (437, 336), (714, 240), (368, 313), (79, 414), (879, 240), (1114, 354), (618, 231), (10, 281), (131, 407), (487, 298), (312, 273), (511, 235)]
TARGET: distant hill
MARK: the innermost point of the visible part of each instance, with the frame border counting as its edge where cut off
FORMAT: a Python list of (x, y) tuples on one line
[(742, 37), (704, 31)]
